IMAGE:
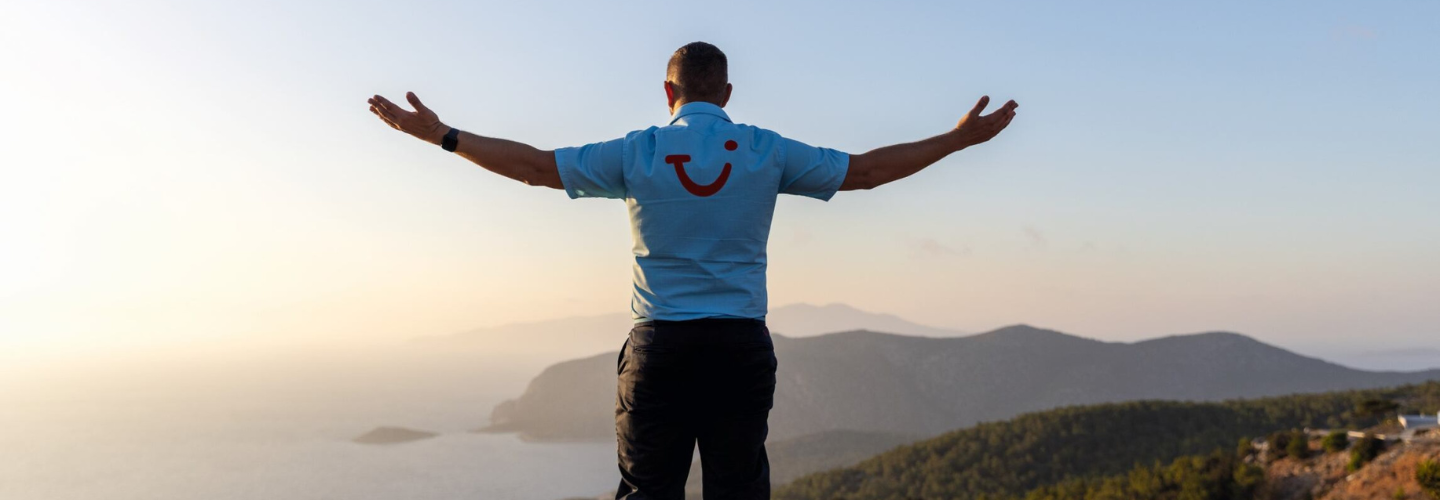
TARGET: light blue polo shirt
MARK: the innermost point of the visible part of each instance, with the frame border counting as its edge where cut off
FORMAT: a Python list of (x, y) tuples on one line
[(701, 193)]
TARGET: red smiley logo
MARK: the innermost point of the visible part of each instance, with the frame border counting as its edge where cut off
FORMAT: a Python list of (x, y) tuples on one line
[(701, 190)]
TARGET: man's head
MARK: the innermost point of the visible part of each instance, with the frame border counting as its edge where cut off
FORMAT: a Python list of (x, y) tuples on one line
[(698, 72)]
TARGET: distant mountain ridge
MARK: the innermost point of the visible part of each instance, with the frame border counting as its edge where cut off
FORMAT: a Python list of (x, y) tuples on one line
[(578, 336), (878, 382)]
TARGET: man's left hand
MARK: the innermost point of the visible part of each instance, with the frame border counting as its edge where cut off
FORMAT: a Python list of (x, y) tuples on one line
[(421, 123), (974, 129)]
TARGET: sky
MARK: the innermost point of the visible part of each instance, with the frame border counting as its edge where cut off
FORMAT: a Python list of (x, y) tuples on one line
[(207, 173)]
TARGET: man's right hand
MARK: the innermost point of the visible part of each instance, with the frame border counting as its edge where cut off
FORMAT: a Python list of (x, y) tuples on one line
[(421, 123), (890, 163), (974, 129)]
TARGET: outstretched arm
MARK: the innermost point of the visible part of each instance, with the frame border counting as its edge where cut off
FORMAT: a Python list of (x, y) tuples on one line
[(515, 160), (891, 163)]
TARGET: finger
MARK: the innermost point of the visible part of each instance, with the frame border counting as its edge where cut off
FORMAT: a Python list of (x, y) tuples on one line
[(377, 103), (389, 106), (415, 101), (1003, 122), (1011, 105), (381, 102), (1007, 110), (980, 106), (1006, 113), (390, 123), (377, 113), (383, 105), (384, 114)]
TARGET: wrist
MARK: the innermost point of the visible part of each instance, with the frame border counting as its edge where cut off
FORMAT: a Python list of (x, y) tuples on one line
[(957, 140), (437, 134)]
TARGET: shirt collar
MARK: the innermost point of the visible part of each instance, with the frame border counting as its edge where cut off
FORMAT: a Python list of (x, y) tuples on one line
[(699, 108)]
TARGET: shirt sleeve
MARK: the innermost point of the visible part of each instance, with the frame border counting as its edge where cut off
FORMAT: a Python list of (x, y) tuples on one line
[(593, 170), (811, 171)]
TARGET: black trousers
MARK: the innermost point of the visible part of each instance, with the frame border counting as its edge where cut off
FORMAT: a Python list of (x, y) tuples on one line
[(708, 381)]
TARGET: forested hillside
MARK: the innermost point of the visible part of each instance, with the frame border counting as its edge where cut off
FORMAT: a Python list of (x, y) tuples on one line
[(1010, 458)]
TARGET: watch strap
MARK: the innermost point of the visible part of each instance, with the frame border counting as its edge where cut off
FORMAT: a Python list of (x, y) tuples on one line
[(451, 140)]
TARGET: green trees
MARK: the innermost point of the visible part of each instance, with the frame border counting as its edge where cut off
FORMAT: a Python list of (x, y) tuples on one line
[(1427, 473), (1279, 442), (1248, 479), (1074, 451), (1217, 476), (1365, 450), (1378, 408), (1299, 447), (1335, 442), (1288, 444)]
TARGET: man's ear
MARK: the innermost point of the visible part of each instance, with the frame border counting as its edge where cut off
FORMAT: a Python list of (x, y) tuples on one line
[(670, 95), (726, 99)]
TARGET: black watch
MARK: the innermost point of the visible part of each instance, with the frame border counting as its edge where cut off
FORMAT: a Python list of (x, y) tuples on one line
[(451, 140)]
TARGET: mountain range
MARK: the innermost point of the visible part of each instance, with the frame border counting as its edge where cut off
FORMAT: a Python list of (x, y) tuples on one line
[(578, 336), (908, 385)]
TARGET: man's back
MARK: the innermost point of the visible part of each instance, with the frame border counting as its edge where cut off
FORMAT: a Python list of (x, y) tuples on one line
[(701, 193)]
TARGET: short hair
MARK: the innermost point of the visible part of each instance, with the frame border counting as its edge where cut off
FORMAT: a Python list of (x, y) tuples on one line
[(699, 72)]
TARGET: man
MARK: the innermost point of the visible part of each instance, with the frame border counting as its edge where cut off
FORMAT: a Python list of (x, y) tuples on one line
[(699, 366)]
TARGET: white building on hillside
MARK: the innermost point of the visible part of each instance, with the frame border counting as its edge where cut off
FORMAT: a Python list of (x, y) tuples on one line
[(1417, 422)]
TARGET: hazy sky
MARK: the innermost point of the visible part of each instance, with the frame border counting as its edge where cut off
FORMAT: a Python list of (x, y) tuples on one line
[(194, 173)]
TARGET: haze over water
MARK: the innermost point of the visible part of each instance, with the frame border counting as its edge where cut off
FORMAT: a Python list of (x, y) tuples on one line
[(281, 428)]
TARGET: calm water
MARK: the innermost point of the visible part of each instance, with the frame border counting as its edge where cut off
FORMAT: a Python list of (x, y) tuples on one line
[(280, 429)]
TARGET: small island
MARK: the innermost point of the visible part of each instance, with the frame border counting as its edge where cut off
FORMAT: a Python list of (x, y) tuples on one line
[(392, 435)]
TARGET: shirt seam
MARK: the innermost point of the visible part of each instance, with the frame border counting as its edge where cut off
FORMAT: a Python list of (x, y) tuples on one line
[(625, 167), (780, 152)]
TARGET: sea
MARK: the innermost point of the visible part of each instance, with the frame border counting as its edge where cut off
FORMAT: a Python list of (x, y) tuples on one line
[(277, 427)]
